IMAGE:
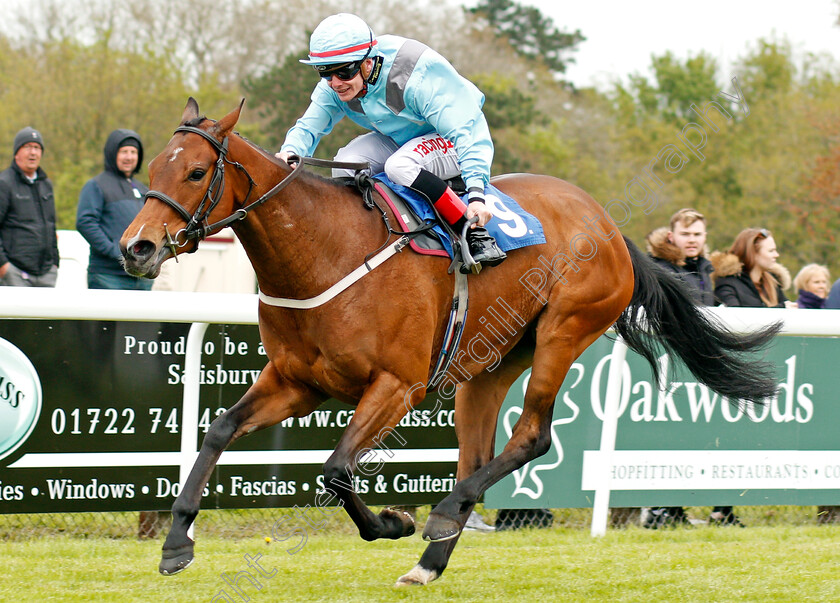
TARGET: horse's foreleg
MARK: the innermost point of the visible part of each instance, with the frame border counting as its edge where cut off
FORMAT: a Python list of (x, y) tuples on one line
[(380, 409), (269, 401), (477, 406)]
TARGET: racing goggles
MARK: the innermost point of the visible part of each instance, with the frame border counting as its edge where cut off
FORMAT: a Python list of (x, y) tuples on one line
[(343, 71)]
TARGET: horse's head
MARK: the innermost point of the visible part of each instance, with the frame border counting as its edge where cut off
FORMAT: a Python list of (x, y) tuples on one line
[(187, 193)]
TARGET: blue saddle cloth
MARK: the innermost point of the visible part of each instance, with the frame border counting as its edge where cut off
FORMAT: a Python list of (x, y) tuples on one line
[(511, 226)]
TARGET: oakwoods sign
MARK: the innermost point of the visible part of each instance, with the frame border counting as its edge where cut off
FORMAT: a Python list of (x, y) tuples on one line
[(680, 443)]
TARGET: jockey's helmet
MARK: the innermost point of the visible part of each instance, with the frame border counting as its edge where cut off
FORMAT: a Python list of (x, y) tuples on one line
[(341, 38)]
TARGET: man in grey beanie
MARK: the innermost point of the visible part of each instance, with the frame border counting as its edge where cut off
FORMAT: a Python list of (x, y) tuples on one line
[(28, 242)]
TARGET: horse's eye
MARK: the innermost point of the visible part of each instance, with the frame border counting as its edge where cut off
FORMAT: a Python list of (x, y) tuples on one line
[(197, 175)]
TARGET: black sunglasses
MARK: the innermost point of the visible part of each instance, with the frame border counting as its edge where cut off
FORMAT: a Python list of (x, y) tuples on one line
[(764, 233), (343, 71)]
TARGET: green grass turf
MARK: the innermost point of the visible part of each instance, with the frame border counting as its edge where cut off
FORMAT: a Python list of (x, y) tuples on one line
[(761, 564)]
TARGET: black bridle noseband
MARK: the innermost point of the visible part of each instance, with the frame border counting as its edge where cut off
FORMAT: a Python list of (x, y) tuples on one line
[(197, 227)]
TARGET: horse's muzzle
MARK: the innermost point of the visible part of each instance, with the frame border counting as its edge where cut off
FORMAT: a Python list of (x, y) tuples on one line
[(142, 258)]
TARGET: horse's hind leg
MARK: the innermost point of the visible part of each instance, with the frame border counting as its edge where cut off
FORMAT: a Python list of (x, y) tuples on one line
[(557, 347), (477, 406), (269, 401)]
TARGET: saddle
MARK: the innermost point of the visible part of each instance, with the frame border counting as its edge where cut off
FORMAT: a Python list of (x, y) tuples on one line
[(424, 239)]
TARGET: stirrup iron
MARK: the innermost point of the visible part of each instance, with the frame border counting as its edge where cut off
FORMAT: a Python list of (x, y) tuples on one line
[(466, 257)]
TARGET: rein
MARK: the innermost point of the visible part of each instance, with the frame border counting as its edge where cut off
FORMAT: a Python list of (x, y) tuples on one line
[(196, 223), (198, 229)]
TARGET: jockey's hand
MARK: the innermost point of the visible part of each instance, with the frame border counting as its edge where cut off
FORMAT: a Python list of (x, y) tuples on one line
[(283, 156), (476, 207)]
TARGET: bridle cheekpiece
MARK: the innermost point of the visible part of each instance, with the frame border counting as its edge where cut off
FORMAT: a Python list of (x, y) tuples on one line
[(197, 227)]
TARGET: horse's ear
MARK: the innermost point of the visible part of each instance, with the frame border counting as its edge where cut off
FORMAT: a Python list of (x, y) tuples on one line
[(190, 111), (225, 125)]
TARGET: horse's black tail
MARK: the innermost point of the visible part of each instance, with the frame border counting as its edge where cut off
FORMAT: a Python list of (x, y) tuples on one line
[(715, 355)]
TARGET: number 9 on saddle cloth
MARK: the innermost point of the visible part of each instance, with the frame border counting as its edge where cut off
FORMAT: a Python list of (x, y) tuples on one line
[(511, 226)]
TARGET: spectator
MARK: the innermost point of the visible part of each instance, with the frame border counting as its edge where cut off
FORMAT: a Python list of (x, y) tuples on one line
[(107, 205), (28, 241), (681, 248), (749, 276), (812, 285), (833, 300)]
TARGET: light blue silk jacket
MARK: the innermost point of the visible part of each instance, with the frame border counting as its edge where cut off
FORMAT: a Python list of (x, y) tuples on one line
[(417, 92)]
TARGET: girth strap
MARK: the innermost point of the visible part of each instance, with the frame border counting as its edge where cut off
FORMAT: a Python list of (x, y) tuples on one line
[(321, 299)]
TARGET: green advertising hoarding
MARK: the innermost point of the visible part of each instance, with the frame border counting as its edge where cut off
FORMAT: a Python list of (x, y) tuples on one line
[(91, 413), (682, 444), (91, 420)]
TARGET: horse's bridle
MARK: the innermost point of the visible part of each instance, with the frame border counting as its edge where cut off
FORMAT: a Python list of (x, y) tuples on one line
[(197, 227), (196, 223)]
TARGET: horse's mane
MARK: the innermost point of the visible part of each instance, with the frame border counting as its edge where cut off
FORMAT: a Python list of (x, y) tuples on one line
[(306, 175)]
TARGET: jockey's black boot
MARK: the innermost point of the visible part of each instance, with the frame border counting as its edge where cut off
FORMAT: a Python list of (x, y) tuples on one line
[(483, 248)]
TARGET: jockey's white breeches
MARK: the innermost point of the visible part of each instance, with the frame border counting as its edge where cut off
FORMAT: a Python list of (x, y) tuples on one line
[(401, 164)]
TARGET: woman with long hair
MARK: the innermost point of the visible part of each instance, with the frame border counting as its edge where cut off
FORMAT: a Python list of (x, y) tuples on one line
[(749, 275)]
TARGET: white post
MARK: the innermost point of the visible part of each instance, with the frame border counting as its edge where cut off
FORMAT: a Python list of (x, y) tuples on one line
[(601, 505), (189, 412)]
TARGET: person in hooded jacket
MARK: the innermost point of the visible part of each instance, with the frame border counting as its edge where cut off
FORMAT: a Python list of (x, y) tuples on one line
[(107, 205), (28, 242), (833, 300)]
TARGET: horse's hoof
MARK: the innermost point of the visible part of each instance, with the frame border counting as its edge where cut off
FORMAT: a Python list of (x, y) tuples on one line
[(404, 522), (418, 576), (440, 528), (174, 561)]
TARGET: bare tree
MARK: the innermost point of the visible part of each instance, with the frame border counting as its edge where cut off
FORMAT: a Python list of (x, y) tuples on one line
[(222, 39)]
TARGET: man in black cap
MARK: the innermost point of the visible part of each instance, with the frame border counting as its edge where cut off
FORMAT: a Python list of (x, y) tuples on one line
[(107, 205), (28, 242)]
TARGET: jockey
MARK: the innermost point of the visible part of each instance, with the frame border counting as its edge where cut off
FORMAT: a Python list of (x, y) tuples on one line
[(425, 119)]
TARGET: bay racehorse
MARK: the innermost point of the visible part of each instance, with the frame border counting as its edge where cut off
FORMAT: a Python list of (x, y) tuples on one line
[(374, 345)]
